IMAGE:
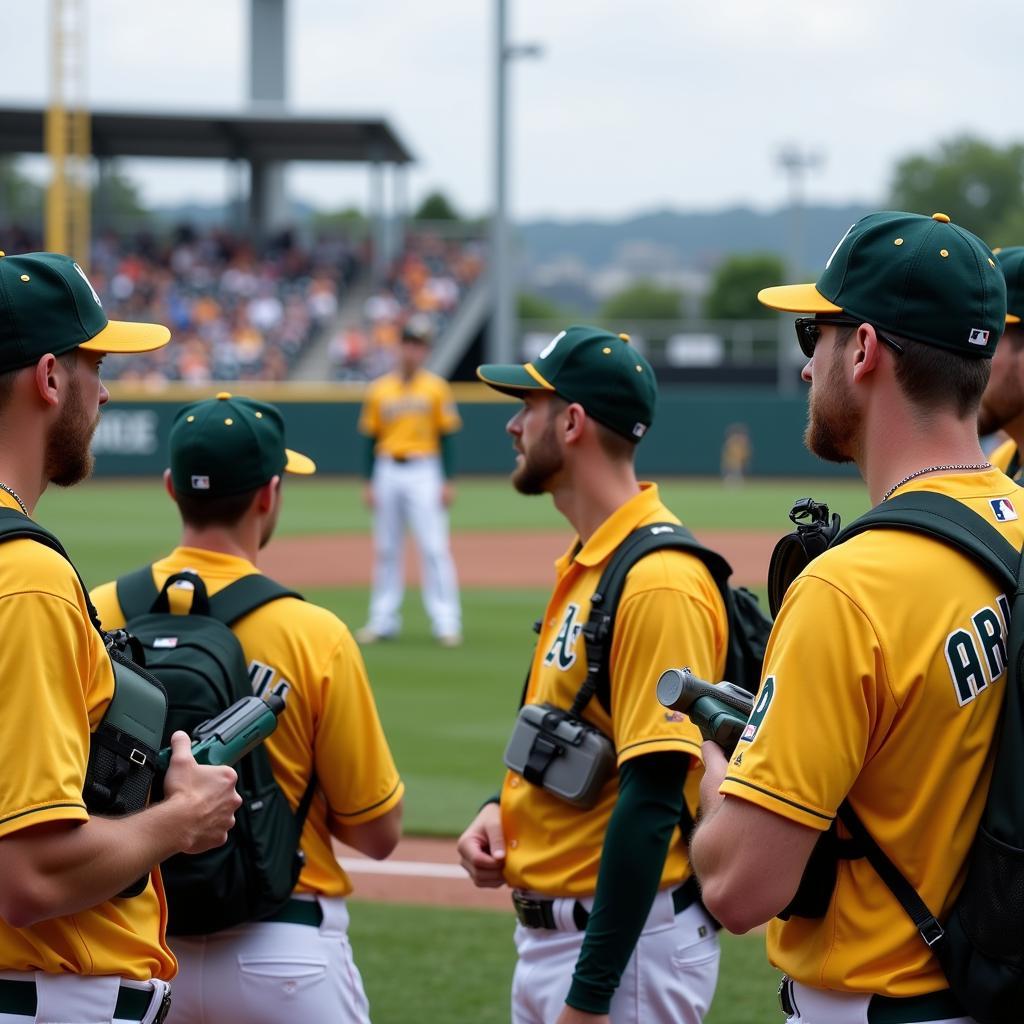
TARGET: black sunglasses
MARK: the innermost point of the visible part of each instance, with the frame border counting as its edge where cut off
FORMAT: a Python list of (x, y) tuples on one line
[(808, 331)]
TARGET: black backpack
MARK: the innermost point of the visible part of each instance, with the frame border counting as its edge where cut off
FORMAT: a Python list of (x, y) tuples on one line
[(749, 627), (201, 664), (981, 944)]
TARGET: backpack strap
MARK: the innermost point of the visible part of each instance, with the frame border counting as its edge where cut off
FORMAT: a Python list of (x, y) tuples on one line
[(15, 526), (245, 595), (946, 519), (137, 592), (604, 603)]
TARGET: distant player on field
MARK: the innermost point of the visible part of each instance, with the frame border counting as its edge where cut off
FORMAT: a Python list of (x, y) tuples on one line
[(409, 419)]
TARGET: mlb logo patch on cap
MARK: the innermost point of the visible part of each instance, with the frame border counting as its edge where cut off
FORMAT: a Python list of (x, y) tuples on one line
[(1003, 510), (978, 336), (200, 483)]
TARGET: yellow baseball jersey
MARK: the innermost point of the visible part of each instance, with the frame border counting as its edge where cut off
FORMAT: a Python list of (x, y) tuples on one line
[(883, 681), (58, 685), (671, 614), (1003, 455), (408, 418), (330, 723)]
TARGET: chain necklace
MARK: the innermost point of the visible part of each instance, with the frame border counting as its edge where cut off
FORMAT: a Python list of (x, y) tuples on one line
[(14, 494), (934, 469)]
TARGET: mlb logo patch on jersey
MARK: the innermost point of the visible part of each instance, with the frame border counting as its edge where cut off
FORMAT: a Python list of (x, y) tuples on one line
[(1003, 510), (165, 641)]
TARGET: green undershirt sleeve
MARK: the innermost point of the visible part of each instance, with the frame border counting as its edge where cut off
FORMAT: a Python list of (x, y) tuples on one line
[(635, 846), (448, 455), (368, 456)]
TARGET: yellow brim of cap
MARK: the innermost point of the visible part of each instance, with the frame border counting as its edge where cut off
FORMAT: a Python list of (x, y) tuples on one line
[(796, 298), (125, 336), (1011, 319), (298, 463)]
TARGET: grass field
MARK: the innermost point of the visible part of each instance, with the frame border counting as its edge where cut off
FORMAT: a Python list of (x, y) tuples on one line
[(111, 526), (455, 967)]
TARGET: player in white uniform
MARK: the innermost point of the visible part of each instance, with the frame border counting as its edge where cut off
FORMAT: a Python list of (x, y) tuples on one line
[(409, 417)]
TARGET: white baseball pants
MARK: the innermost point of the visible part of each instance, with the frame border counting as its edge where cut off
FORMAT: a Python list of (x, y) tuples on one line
[(82, 999), (270, 973), (670, 978), (820, 1006), (408, 495)]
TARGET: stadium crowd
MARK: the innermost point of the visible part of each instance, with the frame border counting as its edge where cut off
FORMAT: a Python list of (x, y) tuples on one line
[(236, 312), (430, 278)]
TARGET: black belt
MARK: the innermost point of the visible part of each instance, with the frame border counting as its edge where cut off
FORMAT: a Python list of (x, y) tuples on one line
[(890, 1009), (534, 913), (19, 998), (299, 912)]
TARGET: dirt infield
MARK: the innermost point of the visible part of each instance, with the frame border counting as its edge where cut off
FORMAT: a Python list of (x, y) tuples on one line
[(422, 871), (483, 559)]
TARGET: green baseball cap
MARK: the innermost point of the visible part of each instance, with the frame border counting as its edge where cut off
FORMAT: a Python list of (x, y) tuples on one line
[(599, 370), (1011, 263), (229, 445), (48, 305), (919, 277)]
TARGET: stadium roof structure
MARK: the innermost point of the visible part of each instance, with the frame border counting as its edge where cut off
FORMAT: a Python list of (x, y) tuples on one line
[(257, 135)]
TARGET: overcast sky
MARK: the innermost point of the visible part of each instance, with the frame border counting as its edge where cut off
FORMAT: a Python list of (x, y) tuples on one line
[(634, 104)]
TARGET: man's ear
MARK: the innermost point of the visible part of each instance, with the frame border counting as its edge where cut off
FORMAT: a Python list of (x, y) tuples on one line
[(169, 486), (266, 495), (575, 420), (866, 352), (45, 378)]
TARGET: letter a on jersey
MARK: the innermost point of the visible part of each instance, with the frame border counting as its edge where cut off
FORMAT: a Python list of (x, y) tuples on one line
[(563, 651)]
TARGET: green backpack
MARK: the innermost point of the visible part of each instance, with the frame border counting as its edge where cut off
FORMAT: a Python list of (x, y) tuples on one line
[(981, 944), (200, 663)]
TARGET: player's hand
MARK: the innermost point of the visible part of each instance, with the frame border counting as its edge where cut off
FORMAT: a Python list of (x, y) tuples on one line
[(570, 1015), (716, 764), (482, 848), (368, 500), (207, 792), (447, 493)]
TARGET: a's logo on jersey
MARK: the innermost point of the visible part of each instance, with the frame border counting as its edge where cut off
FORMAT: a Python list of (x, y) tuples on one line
[(563, 651), (738, 759), (764, 700), (1003, 510), (978, 337)]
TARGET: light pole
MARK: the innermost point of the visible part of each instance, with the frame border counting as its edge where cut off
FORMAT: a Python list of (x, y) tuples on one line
[(501, 341), (795, 163)]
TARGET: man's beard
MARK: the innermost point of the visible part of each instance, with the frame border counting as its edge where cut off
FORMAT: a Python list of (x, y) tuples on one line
[(539, 464), (69, 458), (832, 420)]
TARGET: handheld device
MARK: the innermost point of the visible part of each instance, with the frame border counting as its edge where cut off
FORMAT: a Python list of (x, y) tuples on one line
[(719, 710), (228, 737)]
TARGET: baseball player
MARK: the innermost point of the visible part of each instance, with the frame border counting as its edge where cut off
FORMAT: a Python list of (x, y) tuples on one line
[(71, 950), (610, 924), (409, 419), (879, 685), (227, 459), (1002, 404)]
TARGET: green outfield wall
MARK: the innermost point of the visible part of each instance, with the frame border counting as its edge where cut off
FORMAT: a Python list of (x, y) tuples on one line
[(321, 421)]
